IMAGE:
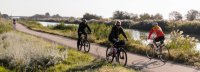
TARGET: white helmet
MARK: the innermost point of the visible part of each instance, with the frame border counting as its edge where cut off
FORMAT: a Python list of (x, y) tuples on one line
[(154, 23)]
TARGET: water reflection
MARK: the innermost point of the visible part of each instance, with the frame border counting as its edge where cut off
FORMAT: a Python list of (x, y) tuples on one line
[(53, 23)]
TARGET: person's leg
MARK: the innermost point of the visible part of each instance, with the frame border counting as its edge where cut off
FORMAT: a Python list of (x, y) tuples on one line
[(112, 46), (162, 39), (79, 39)]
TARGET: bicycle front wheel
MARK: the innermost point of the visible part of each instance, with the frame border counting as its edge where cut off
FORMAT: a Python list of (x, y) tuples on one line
[(150, 51), (109, 54), (87, 46), (164, 54), (122, 57)]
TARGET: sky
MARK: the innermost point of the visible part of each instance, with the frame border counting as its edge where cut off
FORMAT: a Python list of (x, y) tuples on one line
[(104, 8)]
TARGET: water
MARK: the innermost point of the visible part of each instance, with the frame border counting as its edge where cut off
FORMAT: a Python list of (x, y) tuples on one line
[(136, 34), (53, 23)]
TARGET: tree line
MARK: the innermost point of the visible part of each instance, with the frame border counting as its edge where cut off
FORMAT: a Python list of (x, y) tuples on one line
[(123, 15)]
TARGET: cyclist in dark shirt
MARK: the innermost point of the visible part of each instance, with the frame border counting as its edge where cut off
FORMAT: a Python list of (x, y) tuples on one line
[(115, 32), (81, 30)]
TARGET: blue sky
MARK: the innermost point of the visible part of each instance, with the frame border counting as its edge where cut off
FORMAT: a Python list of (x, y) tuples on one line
[(104, 8)]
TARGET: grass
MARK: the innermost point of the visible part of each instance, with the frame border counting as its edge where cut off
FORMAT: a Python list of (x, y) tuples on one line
[(82, 62), (181, 47), (5, 25)]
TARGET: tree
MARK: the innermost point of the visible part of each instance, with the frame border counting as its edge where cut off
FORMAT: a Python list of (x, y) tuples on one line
[(47, 15), (88, 16), (145, 16), (56, 16), (121, 15), (134, 17), (174, 15), (5, 16), (192, 15), (158, 17)]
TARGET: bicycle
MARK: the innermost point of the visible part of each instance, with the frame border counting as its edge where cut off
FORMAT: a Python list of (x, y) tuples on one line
[(117, 52), (159, 49), (84, 43)]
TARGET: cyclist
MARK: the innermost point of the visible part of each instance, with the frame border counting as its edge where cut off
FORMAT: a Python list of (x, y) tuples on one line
[(160, 36), (81, 30), (14, 23), (114, 34)]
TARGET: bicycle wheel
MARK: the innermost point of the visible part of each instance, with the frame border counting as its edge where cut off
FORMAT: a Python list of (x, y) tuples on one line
[(87, 46), (150, 51), (122, 57), (80, 46), (164, 54), (109, 55)]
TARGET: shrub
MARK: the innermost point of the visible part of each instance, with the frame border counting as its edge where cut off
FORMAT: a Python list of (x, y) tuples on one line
[(23, 52)]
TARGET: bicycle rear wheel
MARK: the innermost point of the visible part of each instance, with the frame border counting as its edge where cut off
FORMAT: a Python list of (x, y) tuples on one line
[(109, 55), (87, 46), (80, 46), (122, 57), (164, 54), (150, 51)]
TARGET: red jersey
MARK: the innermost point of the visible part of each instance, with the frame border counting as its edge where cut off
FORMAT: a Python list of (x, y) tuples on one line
[(157, 30)]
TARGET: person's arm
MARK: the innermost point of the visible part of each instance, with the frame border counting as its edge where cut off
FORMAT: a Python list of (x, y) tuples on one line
[(123, 33), (112, 33), (150, 33), (88, 27), (79, 27)]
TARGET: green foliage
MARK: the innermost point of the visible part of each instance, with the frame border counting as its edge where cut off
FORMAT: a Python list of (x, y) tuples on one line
[(88, 16), (3, 69), (121, 15), (62, 26), (180, 41), (5, 25), (192, 27), (100, 31), (31, 24)]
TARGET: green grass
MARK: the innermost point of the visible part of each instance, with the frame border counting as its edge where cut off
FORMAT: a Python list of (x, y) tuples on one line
[(181, 47), (3, 69), (82, 62), (5, 25)]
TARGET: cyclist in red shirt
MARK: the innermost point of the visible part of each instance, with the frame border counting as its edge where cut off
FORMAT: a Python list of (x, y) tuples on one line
[(160, 36)]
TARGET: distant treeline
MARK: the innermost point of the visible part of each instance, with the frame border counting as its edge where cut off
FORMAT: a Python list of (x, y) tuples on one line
[(190, 25)]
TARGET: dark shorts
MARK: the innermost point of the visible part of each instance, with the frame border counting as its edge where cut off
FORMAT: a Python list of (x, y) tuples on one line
[(160, 38)]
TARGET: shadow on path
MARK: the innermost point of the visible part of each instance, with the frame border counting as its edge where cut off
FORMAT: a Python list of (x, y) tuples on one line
[(146, 64)]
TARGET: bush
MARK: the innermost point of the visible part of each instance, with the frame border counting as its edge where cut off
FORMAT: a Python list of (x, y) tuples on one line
[(23, 52)]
